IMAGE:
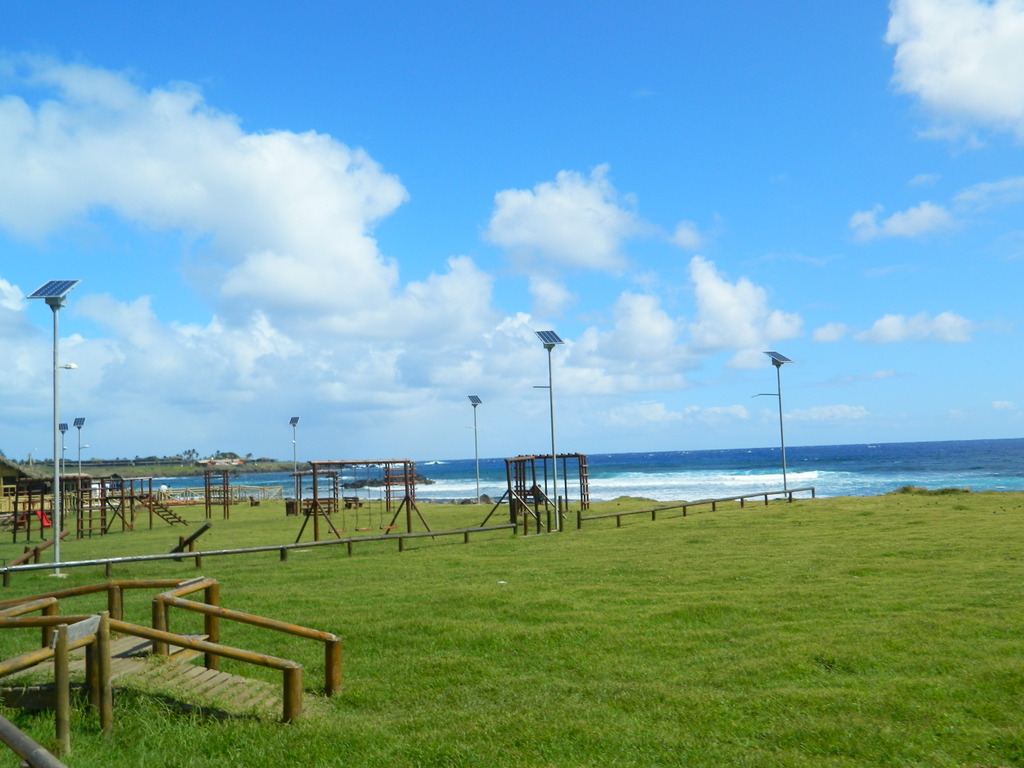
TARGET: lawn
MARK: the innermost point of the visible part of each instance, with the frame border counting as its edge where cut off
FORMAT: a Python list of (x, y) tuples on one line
[(882, 631)]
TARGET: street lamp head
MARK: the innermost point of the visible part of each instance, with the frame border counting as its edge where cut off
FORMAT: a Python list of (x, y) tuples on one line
[(778, 360), (549, 339), (69, 366)]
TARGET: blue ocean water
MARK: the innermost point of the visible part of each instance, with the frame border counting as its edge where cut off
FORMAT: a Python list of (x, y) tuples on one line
[(834, 470)]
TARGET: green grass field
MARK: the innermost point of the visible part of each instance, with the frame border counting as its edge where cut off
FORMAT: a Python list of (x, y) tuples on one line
[(881, 631)]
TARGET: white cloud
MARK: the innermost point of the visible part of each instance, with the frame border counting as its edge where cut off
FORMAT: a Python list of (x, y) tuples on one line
[(922, 219), (640, 352), (945, 327), (639, 415), (963, 58), (550, 296), (574, 221), (1004, 405), (988, 194), (735, 316), (287, 215), (830, 332), (11, 296), (688, 237), (829, 413)]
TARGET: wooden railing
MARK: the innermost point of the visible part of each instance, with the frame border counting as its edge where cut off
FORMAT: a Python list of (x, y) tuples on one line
[(34, 553), (282, 549), (57, 642), (213, 612), (686, 505), (66, 633), (31, 752)]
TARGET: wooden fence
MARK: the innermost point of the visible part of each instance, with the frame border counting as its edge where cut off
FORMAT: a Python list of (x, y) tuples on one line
[(686, 505), (400, 539)]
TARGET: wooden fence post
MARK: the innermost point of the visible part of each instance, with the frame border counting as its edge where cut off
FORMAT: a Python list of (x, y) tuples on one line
[(332, 667), (292, 693), (62, 690)]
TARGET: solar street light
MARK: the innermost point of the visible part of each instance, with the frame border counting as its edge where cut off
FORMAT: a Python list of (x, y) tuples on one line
[(294, 421), (778, 361), (63, 427), (79, 423), (54, 293), (550, 339), (475, 401)]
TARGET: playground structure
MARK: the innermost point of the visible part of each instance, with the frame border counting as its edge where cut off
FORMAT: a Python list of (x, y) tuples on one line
[(94, 506), (347, 486), (531, 490), (89, 506)]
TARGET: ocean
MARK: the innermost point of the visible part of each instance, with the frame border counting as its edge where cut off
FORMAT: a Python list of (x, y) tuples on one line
[(833, 470)]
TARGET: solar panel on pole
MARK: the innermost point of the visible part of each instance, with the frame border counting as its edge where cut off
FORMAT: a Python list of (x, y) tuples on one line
[(54, 293), (777, 358), (55, 289), (548, 337), (475, 401)]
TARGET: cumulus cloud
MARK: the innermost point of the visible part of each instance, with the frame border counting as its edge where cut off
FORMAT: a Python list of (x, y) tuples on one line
[(1004, 405), (688, 236), (575, 221), (830, 332), (829, 413), (550, 296), (922, 219), (735, 316), (946, 327), (641, 351), (287, 216), (277, 229), (11, 296), (964, 59), (651, 412)]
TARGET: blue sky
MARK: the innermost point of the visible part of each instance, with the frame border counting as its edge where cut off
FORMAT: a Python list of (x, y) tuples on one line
[(359, 214)]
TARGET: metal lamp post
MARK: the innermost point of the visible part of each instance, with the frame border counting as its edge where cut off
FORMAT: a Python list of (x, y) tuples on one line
[(55, 294), (79, 423), (550, 339), (295, 455), (475, 401), (778, 361), (63, 427)]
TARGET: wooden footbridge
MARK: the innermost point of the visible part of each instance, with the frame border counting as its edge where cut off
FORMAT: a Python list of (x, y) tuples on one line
[(101, 650)]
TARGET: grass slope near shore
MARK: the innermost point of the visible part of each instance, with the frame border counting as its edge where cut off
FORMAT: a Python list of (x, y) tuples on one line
[(882, 631)]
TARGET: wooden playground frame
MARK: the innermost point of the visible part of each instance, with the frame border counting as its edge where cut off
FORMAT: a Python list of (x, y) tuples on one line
[(527, 498), (93, 504), (398, 484)]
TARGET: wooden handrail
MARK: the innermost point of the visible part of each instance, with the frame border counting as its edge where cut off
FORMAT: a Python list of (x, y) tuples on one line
[(34, 552), (91, 632), (685, 505), (25, 747), (108, 561), (12, 615), (292, 689), (332, 643)]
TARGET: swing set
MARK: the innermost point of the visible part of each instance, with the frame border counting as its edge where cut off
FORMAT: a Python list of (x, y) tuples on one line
[(394, 479), (531, 491)]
